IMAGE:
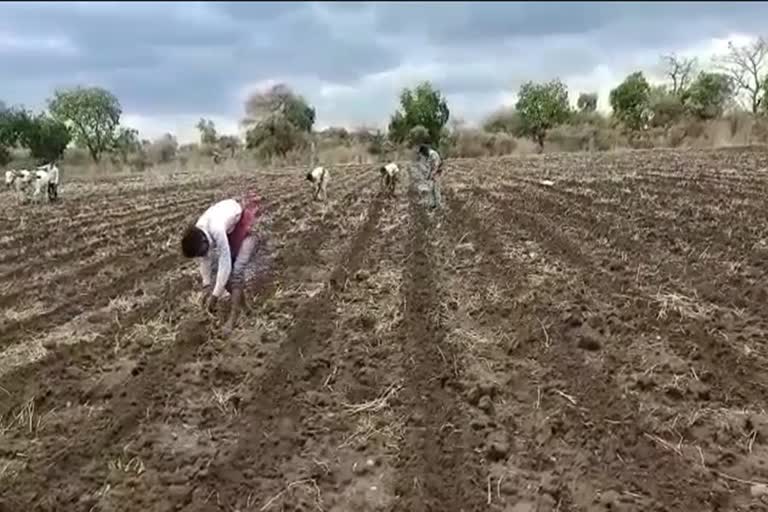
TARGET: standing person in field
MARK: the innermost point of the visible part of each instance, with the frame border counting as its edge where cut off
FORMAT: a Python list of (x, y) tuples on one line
[(223, 241), (434, 170)]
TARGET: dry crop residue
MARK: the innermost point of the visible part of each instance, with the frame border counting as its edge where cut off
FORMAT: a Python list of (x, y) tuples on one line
[(570, 332)]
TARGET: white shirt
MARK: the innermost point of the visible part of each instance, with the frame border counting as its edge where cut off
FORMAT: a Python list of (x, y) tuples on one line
[(217, 222), (391, 169), (434, 161), (317, 173)]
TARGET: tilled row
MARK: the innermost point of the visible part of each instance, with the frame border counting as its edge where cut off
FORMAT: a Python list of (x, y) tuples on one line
[(271, 426), (621, 317), (124, 410), (133, 282), (114, 250), (120, 261), (84, 208)]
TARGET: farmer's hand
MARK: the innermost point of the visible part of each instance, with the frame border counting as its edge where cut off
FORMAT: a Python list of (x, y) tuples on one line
[(210, 304), (205, 297)]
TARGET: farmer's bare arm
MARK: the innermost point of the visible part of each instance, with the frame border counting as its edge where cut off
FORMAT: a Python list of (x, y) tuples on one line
[(225, 263)]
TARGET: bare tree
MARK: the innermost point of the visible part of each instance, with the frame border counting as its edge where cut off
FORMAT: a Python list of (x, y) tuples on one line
[(746, 65), (680, 70)]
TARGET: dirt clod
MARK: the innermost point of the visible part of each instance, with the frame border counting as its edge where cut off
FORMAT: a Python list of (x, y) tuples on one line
[(486, 404), (497, 446), (588, 338)]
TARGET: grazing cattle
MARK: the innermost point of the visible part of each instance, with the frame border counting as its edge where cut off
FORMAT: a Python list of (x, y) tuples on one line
[(18, 180), (319, 178), (10, 177), (390, 174), (43, 178)]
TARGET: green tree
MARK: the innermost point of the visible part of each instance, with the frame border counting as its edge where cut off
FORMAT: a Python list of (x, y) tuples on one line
[(207, 128), (45, 137), (664, 105), (12, 125), (280, 100), (274, 136), (418, 135), (630, 100), (93, 114), (708, 95), (279, 121), (542, 107), (423, 106), (587, 102), (125, 142)]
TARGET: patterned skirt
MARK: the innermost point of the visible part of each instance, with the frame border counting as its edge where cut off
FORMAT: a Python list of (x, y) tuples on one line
[(247, 248)]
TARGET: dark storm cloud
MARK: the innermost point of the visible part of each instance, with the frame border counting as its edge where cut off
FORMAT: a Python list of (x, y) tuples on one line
[(164, 58), (482, 22), (172, 56)]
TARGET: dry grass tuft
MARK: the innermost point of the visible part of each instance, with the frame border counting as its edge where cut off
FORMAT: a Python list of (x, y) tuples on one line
[(222, 398), (377, 404), (132, 466), (384, 426), (684, 306), (27, 420), (305, 483)]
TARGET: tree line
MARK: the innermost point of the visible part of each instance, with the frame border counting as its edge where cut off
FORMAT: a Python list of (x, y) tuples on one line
[(278, 121)]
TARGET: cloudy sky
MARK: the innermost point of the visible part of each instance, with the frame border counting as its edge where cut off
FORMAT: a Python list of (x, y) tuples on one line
[(171, 63)]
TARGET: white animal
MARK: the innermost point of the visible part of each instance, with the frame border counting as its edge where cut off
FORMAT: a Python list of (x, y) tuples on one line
[(390, 174), (43, 178), (10, 177), (18, 180), (319, 177)]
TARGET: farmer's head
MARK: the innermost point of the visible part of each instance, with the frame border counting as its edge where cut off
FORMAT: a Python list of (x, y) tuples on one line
[(194, 243), (423, 150)]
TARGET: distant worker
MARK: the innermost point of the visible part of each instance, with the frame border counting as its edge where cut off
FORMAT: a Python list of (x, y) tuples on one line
[(319, 178), (434, 169), (223, 241), (390, 174)]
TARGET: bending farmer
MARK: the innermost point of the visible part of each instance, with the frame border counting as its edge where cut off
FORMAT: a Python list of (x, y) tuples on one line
[(223, 241)]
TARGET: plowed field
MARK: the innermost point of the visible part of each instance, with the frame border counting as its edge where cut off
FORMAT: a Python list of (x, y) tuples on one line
[(570, 332)]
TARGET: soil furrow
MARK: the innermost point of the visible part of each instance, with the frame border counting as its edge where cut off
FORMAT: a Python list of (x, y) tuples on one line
[(125, 408), (252, 466), (122, 255), (145, 391), (624, 428), (437, 466), (738, 377), (69, 355)]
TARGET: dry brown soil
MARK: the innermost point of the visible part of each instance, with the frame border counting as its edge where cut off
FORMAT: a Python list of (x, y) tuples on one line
[(596, 344)]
